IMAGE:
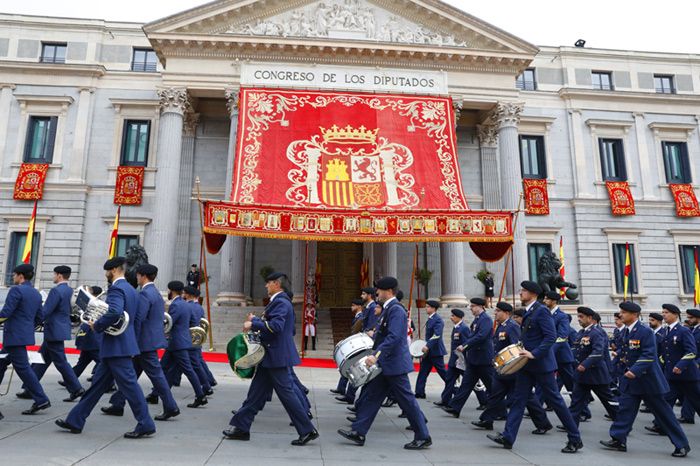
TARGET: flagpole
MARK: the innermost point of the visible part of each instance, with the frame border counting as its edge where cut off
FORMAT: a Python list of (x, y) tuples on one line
[(115, 233), (202, 245), (304, 324), (28, 242)]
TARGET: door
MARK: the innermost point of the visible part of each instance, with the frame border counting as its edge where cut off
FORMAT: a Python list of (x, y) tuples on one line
[(340, 273)]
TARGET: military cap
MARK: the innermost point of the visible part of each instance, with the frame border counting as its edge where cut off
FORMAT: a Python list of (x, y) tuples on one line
[(586, 311), (693, 312), (62, 270), (553, 295), (193, 265), (23, 269), (190, 290), (630, 307), (275, 276), (503, 306), (114, 262), (176, 285), (387, 283), (520, 312), (656, 316), (458, 313), (357, 302), (432, 303), (478, 301), (369, 290), (147, 269), (671, 308), (531, 286)]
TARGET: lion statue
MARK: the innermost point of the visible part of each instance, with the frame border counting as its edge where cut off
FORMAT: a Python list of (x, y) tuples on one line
[(549, 278), (135, 256)]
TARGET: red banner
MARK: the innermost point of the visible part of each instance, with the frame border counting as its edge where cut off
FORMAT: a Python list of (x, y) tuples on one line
[(621, 200), (344, 150), (128, 189), (686, 202), (536, 197), (30, 181)]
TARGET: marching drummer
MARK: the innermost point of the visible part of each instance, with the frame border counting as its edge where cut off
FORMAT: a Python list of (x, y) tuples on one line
[(434, 350), (345, 390)]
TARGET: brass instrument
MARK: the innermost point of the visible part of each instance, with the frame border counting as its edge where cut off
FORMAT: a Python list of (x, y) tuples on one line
[(198, 335), (93, 308), (167, 323)]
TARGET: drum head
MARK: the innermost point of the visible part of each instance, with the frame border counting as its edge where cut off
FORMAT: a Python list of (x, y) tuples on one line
[(416, 348)]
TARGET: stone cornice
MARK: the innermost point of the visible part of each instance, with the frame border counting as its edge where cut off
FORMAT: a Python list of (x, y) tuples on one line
[(577, 95), (54, 69)]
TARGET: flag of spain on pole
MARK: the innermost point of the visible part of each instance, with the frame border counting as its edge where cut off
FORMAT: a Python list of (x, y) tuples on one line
[(115, 232), (628, 269), (27, 253), (697, 278)]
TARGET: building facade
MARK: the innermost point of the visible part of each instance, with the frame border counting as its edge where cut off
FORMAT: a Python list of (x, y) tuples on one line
[(87, 96)]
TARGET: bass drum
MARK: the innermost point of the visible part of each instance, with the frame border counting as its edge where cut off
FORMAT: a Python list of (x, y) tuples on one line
[(244, 354), (350, 350)]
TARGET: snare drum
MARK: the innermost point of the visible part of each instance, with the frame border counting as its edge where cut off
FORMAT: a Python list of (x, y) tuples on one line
[(416, 348), (509, 361), (358, 374), (349, 350)]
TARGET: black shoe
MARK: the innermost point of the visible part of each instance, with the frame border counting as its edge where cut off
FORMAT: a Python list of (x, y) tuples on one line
[(683, 420), (167, 415), (561, 428), (74, 396), (548, 409), (112, 410), (541, 431), (89, 379), (336, 392), (402, 415), (421, 396), (481, 408), (609, 417), (199, 401), (36, 408), (351, 418), (311, 416), (305, 390), (306, 438), (352, 409), (451, 411), (388, 404), (343, 399), (234, 411), (353, 436), (486, 425), (439, 403), (62, 383), (681, 452), (234, 433), (654, 430), (500, 418), (572, 447), (499, 439), (152, 399), (419, 444), (64, 425), (209, 392), (213, 383), (1, 417), (24, 395), (614, 444), (584, 418), (134, 435)]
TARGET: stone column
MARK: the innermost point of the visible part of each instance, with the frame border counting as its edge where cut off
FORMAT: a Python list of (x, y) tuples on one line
[(507, 117), (5, 104), (298, 267), (163, 234), (185, 195), (78, 158), (233, 253), (384, 260), (645, 161)]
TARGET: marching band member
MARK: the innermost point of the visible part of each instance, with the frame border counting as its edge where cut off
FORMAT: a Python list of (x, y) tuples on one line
[(195, 352), (459, 336), (687, 412), (538, 334), (344, 389), (198, 312), (369, 315), (88, 342), (277, 335), (22, 305), (395, 361), (434, 350), (562, 350), (116, 352)]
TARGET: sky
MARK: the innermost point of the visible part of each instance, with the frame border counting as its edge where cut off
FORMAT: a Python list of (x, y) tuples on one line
[(639, 25)]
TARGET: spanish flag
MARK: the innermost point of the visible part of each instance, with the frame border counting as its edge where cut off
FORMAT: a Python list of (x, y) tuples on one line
[(628, 269), (697, 278), (115, 232), (27, 253), (562, 291)]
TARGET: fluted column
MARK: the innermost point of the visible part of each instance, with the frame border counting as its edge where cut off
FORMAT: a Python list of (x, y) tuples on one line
[(185, 194), (78, 159), (5, 106), (163, 233), (231, 290), (297, 273), (507, 117)]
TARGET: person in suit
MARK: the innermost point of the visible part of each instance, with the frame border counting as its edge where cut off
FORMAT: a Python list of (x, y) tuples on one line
[(276, 330), (345, 390), (506, 333), (538, 334), (455, 368), (561, 348), (19, 313), (642, 380), (434, 350), (150, 335), (392, 356), (687, 411), (194, 277), (190, 295), (116, 352), (88, 342), (199, 314), (370, 317), (479, 354), (55, 316)]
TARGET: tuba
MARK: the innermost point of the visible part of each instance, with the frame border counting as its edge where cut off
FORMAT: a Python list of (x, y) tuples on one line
[(167, 323), (198, 335), (93, 308)]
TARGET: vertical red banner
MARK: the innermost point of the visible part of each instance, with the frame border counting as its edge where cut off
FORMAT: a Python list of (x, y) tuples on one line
[(30, 181), (621, 200), (128, 189), (536, 197), (686, 202)]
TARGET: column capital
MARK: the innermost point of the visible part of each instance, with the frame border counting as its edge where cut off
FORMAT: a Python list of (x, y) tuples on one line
[(232, 95), (174, 100), (7, 86), (190, 124), (487, 134), (507, 114)]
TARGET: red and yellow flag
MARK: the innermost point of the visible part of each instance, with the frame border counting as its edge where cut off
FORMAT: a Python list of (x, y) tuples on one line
[(628, 269), (562, 270), (115, 232), (27, 253), (696, 284)]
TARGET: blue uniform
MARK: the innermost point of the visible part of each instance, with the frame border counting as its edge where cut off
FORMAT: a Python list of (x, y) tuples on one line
[(679, 350), (395, 362), (22, 305), (562, 350), (198, 313), (435, 357), (639, 356), (538, 334), (687, 412), (195, 352), (180, 344), (459, 336), (276, 332), (88, 342), (369, 319), (116, 364)]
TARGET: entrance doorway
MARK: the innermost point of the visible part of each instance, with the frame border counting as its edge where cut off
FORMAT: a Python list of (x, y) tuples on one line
[(340, 273)]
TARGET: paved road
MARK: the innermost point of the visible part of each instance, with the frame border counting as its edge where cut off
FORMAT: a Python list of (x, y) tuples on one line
[(195, 436)]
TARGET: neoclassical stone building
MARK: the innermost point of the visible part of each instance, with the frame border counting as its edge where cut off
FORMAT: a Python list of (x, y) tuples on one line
[(88, 95)]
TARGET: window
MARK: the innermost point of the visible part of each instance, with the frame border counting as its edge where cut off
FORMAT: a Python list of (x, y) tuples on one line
[(124, 242), (676, 162), (41, 135), (14, 255), (144, 60), (532, 157), (135, 142), (53, 52), (534, 252), (619, 255), (612, 160), (602, 80), (687, 254), (664, 84), (526, 80)]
